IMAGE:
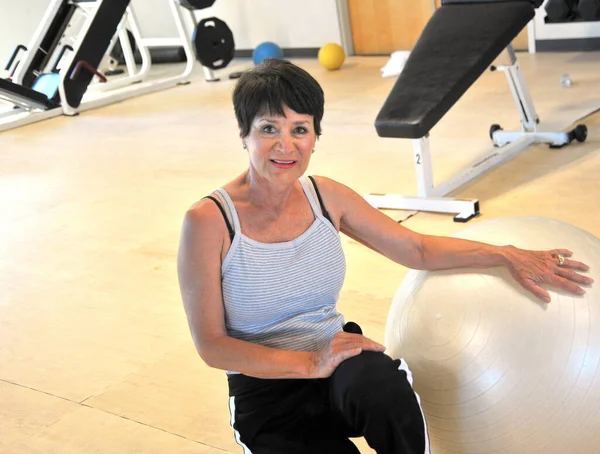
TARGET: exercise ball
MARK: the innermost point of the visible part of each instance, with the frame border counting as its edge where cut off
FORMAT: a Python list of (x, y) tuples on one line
[(266, 50), (497, 370), (331, 56)]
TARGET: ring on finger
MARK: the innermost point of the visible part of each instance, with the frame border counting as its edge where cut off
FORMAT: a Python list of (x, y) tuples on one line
[(561, 260)]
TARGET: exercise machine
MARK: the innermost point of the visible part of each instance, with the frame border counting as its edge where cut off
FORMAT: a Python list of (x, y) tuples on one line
[(57, 78), (21, 89), (461, 41)]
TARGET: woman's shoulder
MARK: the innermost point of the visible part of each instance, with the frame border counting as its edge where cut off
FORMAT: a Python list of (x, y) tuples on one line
[(202, 215), (334, 196), (207, 212), (329, 187), (338, 194)]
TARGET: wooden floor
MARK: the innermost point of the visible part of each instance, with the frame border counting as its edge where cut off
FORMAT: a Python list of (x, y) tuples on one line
[(95, 352)]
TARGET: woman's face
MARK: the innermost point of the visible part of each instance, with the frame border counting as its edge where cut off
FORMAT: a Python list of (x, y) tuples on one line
[(280, 147)]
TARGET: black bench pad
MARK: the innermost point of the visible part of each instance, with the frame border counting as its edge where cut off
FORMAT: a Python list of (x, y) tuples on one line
[(458, 44)]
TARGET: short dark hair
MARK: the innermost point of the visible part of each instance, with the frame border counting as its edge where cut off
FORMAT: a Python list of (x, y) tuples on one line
[(272, 84)]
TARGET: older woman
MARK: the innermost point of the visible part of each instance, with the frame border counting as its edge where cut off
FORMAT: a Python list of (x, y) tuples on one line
[(261, 267)]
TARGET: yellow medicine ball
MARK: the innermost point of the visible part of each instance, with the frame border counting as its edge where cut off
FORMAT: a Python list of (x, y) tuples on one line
[(331, 56)]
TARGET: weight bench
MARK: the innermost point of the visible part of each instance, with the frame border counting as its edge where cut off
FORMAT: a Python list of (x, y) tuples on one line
[(461, 40)]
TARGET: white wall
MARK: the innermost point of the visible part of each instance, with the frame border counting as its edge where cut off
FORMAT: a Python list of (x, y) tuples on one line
[(289, 23), (18, 21)]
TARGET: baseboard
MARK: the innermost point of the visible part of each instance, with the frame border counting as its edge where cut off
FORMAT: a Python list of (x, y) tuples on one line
[(289, 52), (567, 45), (177, 55)]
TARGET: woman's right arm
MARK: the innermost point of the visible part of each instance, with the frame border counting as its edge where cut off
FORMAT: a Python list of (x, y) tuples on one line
[(199, 261)]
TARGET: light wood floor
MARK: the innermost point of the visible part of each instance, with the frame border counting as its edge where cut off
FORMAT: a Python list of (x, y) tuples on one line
[(95, 352)]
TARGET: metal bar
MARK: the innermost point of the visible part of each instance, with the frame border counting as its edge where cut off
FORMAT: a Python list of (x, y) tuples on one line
[(464, 209), (423, 166), (184, 36), (36, 40), (519, 91), (524, 96), (25, 118), (484, 164)]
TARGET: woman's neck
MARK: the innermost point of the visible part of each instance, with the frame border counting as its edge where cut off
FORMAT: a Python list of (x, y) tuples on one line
[(264, 194)]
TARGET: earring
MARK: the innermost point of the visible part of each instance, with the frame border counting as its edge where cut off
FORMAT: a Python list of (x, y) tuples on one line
[(245, 147)]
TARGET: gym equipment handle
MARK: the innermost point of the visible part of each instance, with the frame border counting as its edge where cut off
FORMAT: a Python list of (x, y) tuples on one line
[(84, 64), (19, 48), (59, 57)]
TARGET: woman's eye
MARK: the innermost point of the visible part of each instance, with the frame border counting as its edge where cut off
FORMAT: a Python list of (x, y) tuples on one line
[(301, 130), (268, 129)]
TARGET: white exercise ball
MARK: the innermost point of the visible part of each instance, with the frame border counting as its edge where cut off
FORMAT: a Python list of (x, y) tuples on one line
[(497, 370)]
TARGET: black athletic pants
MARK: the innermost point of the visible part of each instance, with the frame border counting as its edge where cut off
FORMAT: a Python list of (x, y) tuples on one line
[(368, 395)]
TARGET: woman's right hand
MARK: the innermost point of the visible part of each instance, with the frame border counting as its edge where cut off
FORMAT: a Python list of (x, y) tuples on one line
[(340, 348)]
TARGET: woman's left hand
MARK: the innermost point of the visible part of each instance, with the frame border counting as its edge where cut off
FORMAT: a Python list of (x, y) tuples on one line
[(532, 269)]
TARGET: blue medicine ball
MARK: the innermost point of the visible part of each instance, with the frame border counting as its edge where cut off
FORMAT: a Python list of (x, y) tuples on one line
[(266, 50)]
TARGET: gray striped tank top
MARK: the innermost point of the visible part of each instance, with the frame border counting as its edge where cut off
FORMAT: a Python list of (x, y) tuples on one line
[(284, 295)]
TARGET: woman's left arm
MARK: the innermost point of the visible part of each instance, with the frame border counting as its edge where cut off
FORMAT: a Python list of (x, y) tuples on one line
[(531, 269), (369, 226)]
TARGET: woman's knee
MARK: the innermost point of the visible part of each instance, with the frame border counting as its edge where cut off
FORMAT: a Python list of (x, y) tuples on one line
[(373, 380)]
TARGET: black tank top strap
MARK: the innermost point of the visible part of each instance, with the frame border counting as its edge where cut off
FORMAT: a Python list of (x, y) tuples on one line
[(229, 227), (323, 209)]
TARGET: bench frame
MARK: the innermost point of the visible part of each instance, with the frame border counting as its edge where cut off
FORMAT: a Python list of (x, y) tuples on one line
[(508, 145)]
